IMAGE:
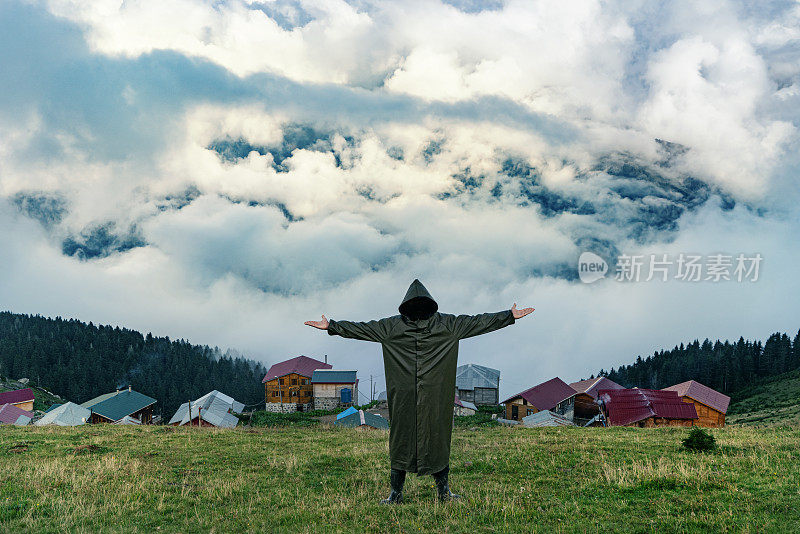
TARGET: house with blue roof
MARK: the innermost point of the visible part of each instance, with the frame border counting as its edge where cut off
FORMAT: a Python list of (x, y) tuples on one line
[(334, 389), (114, 407)]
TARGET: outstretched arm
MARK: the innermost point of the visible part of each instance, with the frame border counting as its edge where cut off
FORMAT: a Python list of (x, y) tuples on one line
[(365, 331), (474, 325)]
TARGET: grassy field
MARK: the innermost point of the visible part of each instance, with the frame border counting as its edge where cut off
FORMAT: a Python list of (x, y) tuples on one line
[(323, 479), (775, 401)]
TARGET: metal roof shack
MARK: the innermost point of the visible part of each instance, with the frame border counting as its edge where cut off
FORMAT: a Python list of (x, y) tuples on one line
[(478, 384), (465, 404), (68, 414), (703, 394), (545, 395), (593, 385), (212, 409), (362, 419), (302, 365), (347, 412), (545, 418), (12, 415), (16, 396), (112, 407), (471, 376), (329, 376), (646, 407)]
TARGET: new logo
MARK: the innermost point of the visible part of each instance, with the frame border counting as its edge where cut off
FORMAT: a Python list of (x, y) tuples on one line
[(591, 267)]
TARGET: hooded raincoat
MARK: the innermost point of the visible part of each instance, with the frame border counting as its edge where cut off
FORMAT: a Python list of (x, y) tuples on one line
[(420, 354)]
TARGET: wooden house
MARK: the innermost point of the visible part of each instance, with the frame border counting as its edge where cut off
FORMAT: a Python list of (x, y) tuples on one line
[(582, 408), (478, 384), (544, 396), (645, 408), (21, 398), (711, 405), (334, 389), (116, 406), (287, 384)]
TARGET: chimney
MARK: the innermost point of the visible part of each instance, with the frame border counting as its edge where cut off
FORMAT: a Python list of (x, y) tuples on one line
[(129, 388), (326, 358)]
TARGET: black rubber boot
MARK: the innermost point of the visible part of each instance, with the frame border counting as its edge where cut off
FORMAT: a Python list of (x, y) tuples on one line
[(396, 480), (442, 487)]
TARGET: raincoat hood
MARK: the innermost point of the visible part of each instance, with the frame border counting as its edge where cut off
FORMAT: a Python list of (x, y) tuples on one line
[(418, 303)]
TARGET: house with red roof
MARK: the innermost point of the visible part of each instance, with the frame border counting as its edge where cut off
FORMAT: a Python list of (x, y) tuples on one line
[(711, 405), (544, 396), (287, 384), (581, 407), (645, 408), (21, 398), (12, 415)]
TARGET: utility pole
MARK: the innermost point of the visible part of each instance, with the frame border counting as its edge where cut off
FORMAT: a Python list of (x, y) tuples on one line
[(371, 390)]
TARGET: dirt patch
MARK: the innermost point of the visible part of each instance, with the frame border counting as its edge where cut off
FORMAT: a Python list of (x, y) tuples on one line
[(19, 447)]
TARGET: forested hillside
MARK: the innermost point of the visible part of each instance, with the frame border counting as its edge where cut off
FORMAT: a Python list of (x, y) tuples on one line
[(725, 366), (80, 361)]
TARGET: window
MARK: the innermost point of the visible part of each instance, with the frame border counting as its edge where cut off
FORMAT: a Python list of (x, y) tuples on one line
[(281, 381), (514, 411), (294, 381)]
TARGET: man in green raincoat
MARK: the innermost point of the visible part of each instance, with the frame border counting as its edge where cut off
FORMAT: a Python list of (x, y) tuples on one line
[(420, 354)]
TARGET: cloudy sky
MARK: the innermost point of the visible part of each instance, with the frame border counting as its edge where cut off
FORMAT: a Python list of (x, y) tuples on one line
[(221, 171)]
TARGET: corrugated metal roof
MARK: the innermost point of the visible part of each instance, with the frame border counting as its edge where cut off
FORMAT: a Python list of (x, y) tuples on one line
[(465, 404), (362, 418), (471, 376), (128, 420), (16, 396), (53, 407), (14, 415), (545, 418), (68, 414), (328, 376), (213, 407), (382, 396), (302, 365), (703, 394), (347, 412), (545, 395), (99, 399), (626, 406), (122, 403), (593, 385)]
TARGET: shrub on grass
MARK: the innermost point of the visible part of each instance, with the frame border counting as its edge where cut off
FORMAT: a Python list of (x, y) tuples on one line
[(699, 440), (270, 419)]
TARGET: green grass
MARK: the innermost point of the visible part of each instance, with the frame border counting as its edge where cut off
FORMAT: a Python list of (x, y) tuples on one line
[(324, 479), (775, 401)]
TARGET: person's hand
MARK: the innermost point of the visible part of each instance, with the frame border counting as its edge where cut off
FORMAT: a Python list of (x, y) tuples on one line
[(518, 314), (323, 324)]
